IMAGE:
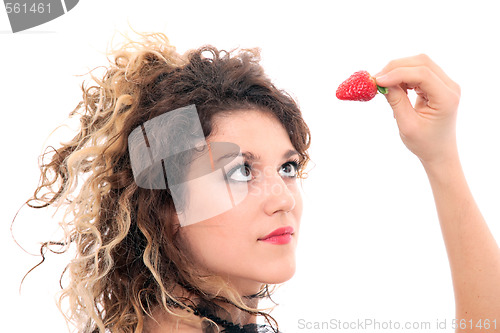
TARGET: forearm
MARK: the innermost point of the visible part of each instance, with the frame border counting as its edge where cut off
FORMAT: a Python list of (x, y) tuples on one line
[(473, 254), (427, 127)]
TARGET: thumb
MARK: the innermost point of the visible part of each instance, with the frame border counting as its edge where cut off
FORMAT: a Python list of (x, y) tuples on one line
[(400, 104)]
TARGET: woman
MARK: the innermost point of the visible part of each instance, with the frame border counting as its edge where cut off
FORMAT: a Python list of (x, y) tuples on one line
[(190, 207), (146, 261)]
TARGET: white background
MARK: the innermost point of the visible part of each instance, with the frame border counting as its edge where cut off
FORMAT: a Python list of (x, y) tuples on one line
[(370, 242)]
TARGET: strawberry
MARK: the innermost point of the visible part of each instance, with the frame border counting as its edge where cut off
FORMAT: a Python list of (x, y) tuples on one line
[(360, 86)]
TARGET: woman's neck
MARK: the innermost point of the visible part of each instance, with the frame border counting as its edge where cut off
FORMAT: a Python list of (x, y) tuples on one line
[(236, 315), (220, 312)]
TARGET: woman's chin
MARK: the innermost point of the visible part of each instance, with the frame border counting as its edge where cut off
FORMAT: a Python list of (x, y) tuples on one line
[(278, 275)]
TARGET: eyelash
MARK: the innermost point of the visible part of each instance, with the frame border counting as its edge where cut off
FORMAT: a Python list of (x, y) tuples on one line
[(296, 166), (295, 163)]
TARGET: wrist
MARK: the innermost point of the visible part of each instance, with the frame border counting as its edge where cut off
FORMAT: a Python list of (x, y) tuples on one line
[(444, 155), (444, 167)]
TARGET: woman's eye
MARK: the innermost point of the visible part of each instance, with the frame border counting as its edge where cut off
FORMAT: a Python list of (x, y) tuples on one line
[(241, 173), (289, 169)]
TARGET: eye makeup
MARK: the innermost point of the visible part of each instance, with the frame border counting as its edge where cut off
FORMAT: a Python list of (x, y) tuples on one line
[(245, 172)]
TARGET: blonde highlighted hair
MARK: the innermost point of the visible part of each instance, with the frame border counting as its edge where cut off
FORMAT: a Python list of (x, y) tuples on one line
[(129, 260)]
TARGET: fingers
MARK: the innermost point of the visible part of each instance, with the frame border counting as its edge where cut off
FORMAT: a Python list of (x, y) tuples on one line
[(428, 127), (425, 81), (400, 104), (418, 61)]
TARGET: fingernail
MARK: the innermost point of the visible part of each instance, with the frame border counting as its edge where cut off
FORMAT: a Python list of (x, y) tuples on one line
[(380, 78)]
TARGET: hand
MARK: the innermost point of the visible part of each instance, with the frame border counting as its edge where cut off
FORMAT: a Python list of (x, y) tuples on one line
[(428, 128)]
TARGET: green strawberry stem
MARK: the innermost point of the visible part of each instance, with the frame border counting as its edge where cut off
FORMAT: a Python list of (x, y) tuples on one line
[(382, 90)]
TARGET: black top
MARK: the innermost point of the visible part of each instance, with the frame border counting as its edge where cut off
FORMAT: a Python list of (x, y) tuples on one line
[(222, 318)]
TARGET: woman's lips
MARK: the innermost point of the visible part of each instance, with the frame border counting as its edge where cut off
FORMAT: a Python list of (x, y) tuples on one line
[(279, 236)]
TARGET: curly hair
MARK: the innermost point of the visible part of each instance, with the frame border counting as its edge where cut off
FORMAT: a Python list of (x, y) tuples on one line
[(128, 259)]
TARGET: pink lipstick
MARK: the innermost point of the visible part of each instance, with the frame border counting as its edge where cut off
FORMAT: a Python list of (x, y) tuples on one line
[(279, 236)]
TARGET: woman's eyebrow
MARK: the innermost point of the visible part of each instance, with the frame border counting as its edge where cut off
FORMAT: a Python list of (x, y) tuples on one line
[(249, 156), (252, 157), (290, 153)]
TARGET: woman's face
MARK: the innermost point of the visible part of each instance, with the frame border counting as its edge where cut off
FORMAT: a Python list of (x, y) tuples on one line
[(235, 244)]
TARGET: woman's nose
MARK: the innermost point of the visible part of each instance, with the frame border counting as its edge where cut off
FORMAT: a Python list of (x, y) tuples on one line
[(277, 195)]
